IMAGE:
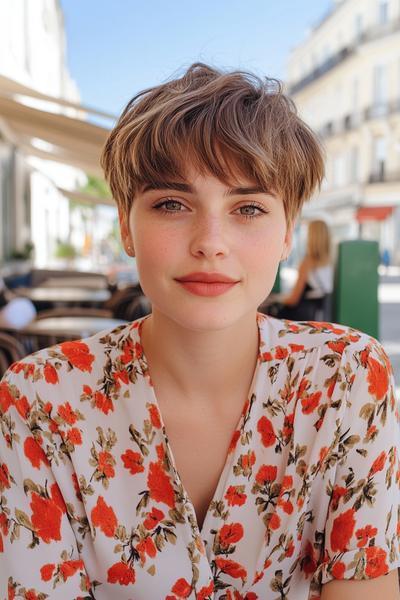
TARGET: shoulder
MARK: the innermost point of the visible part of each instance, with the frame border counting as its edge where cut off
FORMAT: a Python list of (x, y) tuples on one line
[(51, 372), (322, 336)]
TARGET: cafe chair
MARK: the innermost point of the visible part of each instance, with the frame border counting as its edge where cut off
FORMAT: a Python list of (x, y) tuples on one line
[(11, 350)]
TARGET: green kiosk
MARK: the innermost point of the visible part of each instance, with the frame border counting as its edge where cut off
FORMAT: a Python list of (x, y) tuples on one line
[(355, 297)]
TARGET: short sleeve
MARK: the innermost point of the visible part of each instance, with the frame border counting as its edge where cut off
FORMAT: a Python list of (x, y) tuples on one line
[(362, 528), (39, 555)]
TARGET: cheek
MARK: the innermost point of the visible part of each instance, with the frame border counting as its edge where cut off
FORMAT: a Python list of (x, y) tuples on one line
[(154, 249)]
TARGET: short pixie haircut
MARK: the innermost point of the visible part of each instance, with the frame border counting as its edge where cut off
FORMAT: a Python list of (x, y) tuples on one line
[(225, 124)]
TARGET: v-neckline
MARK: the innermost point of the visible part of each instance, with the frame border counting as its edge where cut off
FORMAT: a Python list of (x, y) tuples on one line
[(218, 492)]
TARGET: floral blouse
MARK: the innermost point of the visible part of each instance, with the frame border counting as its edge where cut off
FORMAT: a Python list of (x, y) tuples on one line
[(92, 505)]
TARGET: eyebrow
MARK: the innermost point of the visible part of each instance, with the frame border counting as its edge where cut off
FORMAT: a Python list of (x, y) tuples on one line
[(186, 187)]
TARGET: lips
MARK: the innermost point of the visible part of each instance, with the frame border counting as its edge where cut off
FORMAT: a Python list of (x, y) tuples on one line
[(207, 278)]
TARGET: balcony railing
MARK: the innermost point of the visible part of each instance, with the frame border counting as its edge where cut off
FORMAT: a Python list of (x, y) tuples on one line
[(372, 33), (383, 176), (354, 120)]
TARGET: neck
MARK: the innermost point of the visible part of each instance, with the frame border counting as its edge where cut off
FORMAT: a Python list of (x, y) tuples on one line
[(201, 366)]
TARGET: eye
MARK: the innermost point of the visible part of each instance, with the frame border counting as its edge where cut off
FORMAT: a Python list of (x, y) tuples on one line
[(252, 210), (169, 206)]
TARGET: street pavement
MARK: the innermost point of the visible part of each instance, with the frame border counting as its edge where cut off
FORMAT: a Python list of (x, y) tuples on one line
[(389, 313)]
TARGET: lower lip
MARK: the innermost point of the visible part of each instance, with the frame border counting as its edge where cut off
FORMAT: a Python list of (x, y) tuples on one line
[(201, 288)]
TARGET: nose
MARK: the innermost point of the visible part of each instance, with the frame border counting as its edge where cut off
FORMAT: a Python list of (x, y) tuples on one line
[(209, 239)]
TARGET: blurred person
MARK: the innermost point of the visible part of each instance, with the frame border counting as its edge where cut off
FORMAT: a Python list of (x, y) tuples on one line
[(204, 451), (314, 278)]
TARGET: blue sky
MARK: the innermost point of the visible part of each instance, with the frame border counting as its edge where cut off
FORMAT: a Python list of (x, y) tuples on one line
[(117, 47)]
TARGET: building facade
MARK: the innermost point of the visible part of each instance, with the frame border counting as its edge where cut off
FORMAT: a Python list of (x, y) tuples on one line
[(33, 55), (345, 81)]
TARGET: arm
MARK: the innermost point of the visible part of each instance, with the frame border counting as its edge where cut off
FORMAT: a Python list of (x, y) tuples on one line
[(38, 548), (361, 547), (294, 297), (386, 586)]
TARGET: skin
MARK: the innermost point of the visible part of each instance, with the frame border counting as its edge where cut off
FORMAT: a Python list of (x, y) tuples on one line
[(186, 337), (207, 231)]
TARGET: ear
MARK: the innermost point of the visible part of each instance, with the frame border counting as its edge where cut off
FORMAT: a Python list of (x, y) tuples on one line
[(126, 236), (288, 242)]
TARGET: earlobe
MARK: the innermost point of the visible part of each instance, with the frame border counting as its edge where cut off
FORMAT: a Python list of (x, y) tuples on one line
[(125, 234)]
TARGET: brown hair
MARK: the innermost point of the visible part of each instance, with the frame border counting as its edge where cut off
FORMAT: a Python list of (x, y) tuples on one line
[(318, 243), (224, 124)]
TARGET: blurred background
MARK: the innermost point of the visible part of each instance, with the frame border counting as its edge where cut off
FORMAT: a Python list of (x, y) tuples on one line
[(67, 69)]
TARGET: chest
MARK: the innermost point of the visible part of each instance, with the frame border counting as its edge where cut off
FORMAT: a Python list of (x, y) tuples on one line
[(200, 448)]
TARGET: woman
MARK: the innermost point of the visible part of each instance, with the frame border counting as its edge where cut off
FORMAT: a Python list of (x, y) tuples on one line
[(204, 451), (315, 277)]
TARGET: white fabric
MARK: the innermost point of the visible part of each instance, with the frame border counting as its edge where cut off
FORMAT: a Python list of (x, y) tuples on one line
[(321, 279)]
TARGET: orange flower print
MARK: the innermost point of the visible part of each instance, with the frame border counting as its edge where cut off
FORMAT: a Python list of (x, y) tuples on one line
[(377, 378), (182, 588), (159, 485), (4, 477), (248, 460), (34, 453), (50, 373), (103, 402), (22, 406), (46, 518), (70, 567), (281, 352), (310, 402), (378, 464), (106, 464), (235, 496), (205, 592), (74, 436), (153, 518), (121, 573), (342, 530), (232, 568), (364, 534), (309, 563), (337, 346), (46, 572), (376, 561), (234, 440), (78, 355), (146, 546), (121, 376), (338, 569), (103, 516), (265, 428), (6, 398), (67, 413), (130, 351), (266, 474), (230, 534), (274, 521), (266, 356), (154, 416), (337, 493), (57, 497), (296, 347), (133, 461)]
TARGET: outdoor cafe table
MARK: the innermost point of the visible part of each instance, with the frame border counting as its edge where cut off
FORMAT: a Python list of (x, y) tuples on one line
[(64, 295), (69, 327)]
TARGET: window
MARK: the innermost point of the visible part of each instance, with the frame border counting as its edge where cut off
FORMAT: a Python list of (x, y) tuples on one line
[(358, 27), (383, 12), (379, 159), (354, 160), (380, 85)]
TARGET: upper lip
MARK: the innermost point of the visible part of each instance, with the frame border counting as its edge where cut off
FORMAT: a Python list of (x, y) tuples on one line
[(207, 278)]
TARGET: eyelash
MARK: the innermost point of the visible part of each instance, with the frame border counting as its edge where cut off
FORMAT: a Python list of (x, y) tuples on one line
[(171, 212)]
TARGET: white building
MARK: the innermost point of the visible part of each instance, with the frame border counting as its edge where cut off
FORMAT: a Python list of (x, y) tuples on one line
[(345, 81), (41, 121)]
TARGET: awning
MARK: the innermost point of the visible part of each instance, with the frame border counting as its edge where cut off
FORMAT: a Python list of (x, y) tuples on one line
[(51, 135), (373, 213)]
